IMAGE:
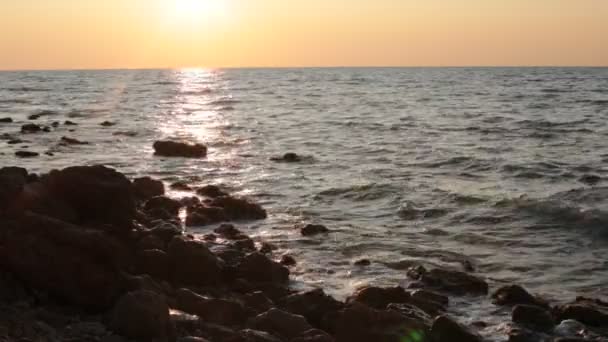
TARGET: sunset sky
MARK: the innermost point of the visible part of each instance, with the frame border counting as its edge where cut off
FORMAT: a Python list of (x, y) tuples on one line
[(77, 34)]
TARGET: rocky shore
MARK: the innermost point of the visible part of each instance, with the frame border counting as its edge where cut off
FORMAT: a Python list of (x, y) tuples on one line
[(87, 254)]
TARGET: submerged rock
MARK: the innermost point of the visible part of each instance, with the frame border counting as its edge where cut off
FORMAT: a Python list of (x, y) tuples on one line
[(71, 141), (289, 157), (30, 128), (6, 120), (313, 229), (26, 154), (179, 149), (107, 123)]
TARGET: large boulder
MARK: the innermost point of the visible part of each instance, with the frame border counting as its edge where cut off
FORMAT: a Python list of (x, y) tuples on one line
[(239, 208), (78, 265), (179, 149), (97, 193), (192, 263), (142, 316), (146, 188)]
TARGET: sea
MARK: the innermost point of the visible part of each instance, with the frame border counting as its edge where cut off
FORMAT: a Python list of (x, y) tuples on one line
[(502, 171)]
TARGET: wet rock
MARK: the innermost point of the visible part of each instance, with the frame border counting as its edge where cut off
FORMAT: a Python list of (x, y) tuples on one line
[(55, 124), (108, 124), (363, 262), (257, 267), (229, 231), (314, 335), (288, 260), (360, 323), (26, 154), (191, 201), (239, 208), (15, 141), (281, 323), (6, 120), (455, 282), (179, 149), (142, 315), (71, 141), (314, 305), (428, 296), (153, 262), (445, 329), (289, 157), (590, 179), (591, 312), (211, 191), (313, 229), (192, 263), (267, 247), (258, 302), (78, 265), (182, 186), (30, 128), (249, 335), (162, 207), (145, 188), (515, 294), (378, 297), (219, 311), (165, 232), (98, 194), (533, 316), (69, 123), (524, 335), (192, 339)]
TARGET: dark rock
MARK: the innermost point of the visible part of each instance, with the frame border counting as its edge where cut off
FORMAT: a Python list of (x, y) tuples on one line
[(192, 339), (453, 281), (142, 315), (71, 141), (97, 193), (179, 149), (191, 201), (162, 207), (228, 231), (211, 191), (314, 335), (12, 183), (151, 241), (46, 129), (445, 329), (145, 188), (363, 262), (412, 313), (182, 186), (30, 128), (258, 302), (108, 124), (524, 335), (153, 262), (424, 295), (515, 294), (78, 265), (6, 120), (249, 335), (15, 141), (55, 124), (219, 311), (280, 322), (379, 298), (239, 208), (590, 179), (34, 117), (314, 305), (26, 154), (288, 260), (533, 316), (70, 123), (313, 229), (267, 248), (192, 263), (244, 244), (588, 311), (166, 232), (289, 157), (257, 267)]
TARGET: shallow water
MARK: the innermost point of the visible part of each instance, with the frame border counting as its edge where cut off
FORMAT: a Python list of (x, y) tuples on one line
[(438, 166)]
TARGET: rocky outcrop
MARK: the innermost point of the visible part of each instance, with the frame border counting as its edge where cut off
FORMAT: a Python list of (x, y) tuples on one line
[(179, 149)]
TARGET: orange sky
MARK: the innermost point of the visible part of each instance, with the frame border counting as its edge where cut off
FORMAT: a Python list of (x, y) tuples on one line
[(76, 34)]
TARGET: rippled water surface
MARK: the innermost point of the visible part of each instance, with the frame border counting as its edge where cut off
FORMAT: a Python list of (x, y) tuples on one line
[(434, 166)]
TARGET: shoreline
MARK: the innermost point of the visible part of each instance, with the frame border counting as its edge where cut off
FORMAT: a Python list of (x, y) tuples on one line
[(87, 239)]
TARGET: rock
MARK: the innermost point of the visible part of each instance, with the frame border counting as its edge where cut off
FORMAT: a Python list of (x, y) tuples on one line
[(288, 260), (313, 229), (192, 263), (78, 265), (151, 241), (515, 294), (211, 191), (162, 207), (165, 232), (69, 123), (314, 335), (569, 327), (524, 335), (455, 282), (424, 295), (229, 231), (12, 182), (288, 157), (533, 316), (6, 120), (445, 329), (30, 128), (146, 188), (314, 305), (280, 322), (97, 194), (379, 298), (249, 335), (257, 267), (218, 311), (142, 315), (590, 179), (267, 248), (153, 262), (26, 154), (239, 208), (192, 339), (71, 141), (363, 262), (588, 311), (190, 201), (360, 323), (182, 186), (15, 141), (258, 302), (107, 124), (179, 149)]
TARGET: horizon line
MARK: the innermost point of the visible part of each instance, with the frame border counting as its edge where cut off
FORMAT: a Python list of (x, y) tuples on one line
[(308, 67)]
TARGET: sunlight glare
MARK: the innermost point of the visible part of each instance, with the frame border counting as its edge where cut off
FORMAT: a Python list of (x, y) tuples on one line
[(196, 11)]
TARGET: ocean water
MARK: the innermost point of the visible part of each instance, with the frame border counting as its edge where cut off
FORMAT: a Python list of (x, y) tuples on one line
[(438, 166)]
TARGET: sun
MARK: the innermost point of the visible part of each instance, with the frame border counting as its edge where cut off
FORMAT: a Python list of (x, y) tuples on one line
[(192, 11)]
